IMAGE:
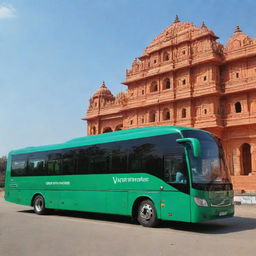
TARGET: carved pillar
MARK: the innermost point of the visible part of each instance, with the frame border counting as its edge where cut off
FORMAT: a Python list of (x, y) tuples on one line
[(229, 162), (253, 159), (236, 161), (88, 129)]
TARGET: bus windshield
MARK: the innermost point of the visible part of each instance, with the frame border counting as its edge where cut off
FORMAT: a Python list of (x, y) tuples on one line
[(209, 167)]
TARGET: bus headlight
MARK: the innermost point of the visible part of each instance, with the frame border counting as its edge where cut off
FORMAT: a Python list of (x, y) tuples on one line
[(201, 202)]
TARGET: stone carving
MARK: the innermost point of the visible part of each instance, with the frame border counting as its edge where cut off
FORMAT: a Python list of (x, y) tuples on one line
[(121, 98), (237, 40)]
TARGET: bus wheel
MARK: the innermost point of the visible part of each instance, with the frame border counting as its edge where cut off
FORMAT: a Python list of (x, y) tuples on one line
[(147, 216), (39, 205)]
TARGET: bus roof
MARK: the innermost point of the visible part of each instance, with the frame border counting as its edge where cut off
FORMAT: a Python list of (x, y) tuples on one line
[(126, 134)]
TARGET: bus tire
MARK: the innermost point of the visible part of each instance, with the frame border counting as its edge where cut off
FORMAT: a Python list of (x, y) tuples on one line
[(147, 215), (39, 205)]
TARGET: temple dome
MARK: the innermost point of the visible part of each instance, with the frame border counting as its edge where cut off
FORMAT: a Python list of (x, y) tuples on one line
[(238, 39), (103, 91), (178, 28)]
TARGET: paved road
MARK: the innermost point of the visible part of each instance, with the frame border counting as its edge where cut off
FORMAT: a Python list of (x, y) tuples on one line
[(23, 233)]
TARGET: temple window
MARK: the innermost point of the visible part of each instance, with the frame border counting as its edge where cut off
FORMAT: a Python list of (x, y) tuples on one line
[(237, 75), (152, 117), (131, 122), (183, 81), (205, 111), (142, 92), (205, 78), (183, 113), (166, 56), (167, 84), (166, 114), (183, 52), (153, 87), (155, 61), (238, 107)]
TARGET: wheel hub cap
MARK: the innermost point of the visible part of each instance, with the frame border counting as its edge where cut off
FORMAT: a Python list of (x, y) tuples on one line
[(146, 212), (39, 204)]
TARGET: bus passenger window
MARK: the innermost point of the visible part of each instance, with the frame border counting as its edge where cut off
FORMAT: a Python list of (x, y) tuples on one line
[(118, 162), (175, 169), (99, 159), (37, 167), (68, 166), (18, 168), (81, 158), (54, 164)]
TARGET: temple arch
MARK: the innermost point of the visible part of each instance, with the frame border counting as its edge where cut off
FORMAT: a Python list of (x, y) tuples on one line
[(166, 84), (166, 114), (153, 87), (183, 113), (107, 129), (152, 116), (246, 162), (119, 127), (166, 56), (238, 107)]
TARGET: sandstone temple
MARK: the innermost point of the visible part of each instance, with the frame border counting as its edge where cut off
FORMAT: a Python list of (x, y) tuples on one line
[(186, 78)]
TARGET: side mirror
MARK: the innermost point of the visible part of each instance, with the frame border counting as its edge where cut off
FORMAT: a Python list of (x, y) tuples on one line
[(195, 144)]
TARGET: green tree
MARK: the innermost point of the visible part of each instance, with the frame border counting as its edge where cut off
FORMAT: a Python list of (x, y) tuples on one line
[(3, 162)]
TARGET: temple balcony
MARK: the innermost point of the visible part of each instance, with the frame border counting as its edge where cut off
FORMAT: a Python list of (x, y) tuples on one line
[(187, 122), (151, 99), (204, 89), (209, 56), (208, 121), (236, 119), (108, 110), (243, 52), (240, 85), (183, 93), (172, 65)]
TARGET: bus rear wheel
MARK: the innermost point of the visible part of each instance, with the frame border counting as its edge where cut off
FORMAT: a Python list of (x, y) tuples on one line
[(39, 205), (147, 216)]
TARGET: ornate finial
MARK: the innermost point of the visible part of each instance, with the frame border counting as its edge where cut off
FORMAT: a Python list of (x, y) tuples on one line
[(203, 25), (238, 29), (103, 85), (176, 19)]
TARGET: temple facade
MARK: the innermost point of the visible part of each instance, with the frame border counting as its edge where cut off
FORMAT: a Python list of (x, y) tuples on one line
[(186, 78)]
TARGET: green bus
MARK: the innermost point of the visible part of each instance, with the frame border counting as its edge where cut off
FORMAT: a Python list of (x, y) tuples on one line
[(151, 173)]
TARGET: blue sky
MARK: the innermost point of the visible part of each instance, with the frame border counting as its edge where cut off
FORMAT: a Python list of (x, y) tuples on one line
[(54, 54)]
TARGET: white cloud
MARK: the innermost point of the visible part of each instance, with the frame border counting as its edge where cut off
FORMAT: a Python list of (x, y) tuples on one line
[(6, 11)]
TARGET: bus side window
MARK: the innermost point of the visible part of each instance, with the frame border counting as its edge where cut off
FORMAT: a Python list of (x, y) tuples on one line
[(37, 167), (19, 167), (118, 162), (175, 170), (99, 159), (68, 162), (81, 159), (54, 164)]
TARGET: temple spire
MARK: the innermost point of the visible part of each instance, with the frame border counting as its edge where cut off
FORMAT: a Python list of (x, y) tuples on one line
[(176, 19), (238, 29), (103, 85), (203, 25)]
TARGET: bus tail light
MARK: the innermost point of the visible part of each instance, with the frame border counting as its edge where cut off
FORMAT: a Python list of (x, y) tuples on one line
[(201, 202)]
